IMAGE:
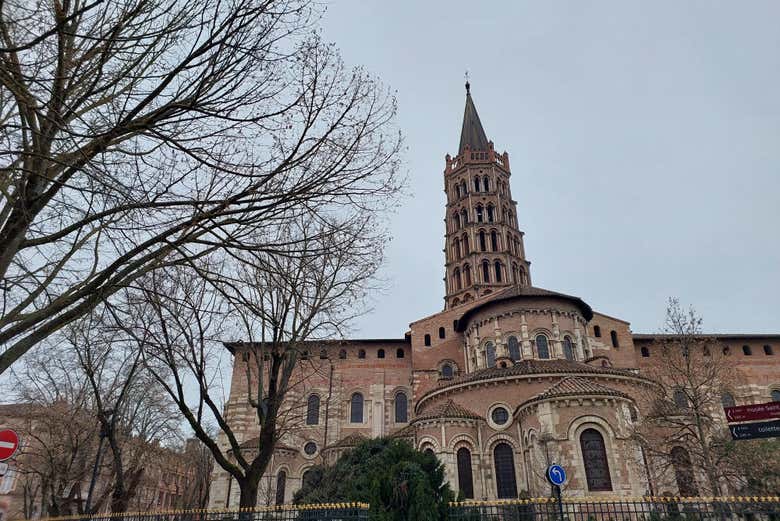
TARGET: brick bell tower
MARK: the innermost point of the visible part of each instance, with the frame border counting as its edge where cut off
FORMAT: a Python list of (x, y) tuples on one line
[(484, 249)]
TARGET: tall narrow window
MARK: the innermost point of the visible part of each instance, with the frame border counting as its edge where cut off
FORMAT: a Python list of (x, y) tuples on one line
[(680, 399), (456, 221), (401, 405), (497, 266), (480, 214), (491, 213), (482, 241), (594, 456), (542, 348), (313, 410), (457, 280), (614, 338), (446, 371), (494, 240), (380, 353), (597, 331), (356, 408), (399, 353), (514, 348), (467, 275), (464, 217), (465, 241), (361, 353), (747, 351), (427, 340), (768, 350), (463, 188), (476, 184), (504, 461), (442, 332), (486, 183), (683, 472), (281, 483), (343, 354), (490, 353), (456, 248), (465, 479), (515, 278), (568, 348), (645, 352), (485, 272)]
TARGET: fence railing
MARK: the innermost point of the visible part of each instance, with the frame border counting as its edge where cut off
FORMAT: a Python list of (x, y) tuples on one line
[(620, 509), (318, 512)]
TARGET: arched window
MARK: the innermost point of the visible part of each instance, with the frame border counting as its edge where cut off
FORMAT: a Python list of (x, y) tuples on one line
[(491, 213), (380, 353), (401, 404), (523, 276), (306, 478), (429, 451), (476, 184), (497, 266), (726, 351), (747, 351), (680, 399), (463, 189), (515, 278), (727, 400), (486, 183), (775, 395), (456, 221), (494, 240), (456, 277), (456, 248), (323, 354), (356, 408), (281, 482), (613, 336), (683, 472), (343, 354), (464, 217), (597, 331), (399, 353), (542, 348), (467, 275), (313, 410), (485, 271), (768, 350), (504, 461), (442, 333), (465, 479), (514, 348), (490, 353), (361, 353), (594, 456), (645, 352), (427, 340), (480, 214), (568, 348), (482, 241), (465, 241), (446, 371)]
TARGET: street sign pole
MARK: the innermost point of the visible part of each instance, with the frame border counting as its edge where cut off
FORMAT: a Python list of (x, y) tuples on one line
[(556, 475)]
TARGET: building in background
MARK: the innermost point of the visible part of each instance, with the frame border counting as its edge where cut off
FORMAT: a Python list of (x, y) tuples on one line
[(506, 379)]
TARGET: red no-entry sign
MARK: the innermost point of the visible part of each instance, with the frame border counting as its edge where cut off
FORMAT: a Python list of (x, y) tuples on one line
[(9, 442)]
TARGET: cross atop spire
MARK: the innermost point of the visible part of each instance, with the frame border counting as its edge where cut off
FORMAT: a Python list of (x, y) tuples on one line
[(472, 133)]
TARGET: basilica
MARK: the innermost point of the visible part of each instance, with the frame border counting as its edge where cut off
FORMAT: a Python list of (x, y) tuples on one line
[(506, 379)]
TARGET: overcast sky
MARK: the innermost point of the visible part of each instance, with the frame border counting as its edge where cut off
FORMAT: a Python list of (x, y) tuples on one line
[(643, 140)]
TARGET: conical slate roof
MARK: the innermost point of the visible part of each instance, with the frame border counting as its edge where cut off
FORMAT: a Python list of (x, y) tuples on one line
[(472, 133)]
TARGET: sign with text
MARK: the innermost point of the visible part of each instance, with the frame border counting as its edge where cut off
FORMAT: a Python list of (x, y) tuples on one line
[(751, 431), (759, 411)]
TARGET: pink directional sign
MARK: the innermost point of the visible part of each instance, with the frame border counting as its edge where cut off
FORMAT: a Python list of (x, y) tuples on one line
[(759, 411)]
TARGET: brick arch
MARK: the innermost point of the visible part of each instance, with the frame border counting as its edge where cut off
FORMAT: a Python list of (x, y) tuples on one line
[(463, 440), (428, 440), (491, 443)]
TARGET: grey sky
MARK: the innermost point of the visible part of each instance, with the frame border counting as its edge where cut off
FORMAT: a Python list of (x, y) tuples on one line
[(643, 140)]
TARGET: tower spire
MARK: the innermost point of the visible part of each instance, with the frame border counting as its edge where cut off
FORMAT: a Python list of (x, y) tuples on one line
[(471, 134)]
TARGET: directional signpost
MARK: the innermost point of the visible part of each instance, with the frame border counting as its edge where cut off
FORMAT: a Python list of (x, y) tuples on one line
[(557, 477), (752, 413)]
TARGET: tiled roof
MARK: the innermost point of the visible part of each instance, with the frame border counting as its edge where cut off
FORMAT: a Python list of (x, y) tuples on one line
[(403, 432), (252, 444), (525, 291), (575, 386), (471, 133), (352, 440), (448, 409)]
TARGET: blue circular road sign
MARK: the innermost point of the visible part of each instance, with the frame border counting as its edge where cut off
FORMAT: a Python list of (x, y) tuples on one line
[(556, 475)]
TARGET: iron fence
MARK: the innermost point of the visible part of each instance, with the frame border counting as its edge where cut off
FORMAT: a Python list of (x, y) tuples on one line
[(321, 512), (620, 509)]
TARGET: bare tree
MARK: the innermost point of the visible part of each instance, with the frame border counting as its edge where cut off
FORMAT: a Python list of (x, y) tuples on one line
[(304, 292), (682, 427), (142, 134)]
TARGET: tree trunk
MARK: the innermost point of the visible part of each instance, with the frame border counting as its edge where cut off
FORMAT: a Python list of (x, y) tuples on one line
[(248, 487)]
